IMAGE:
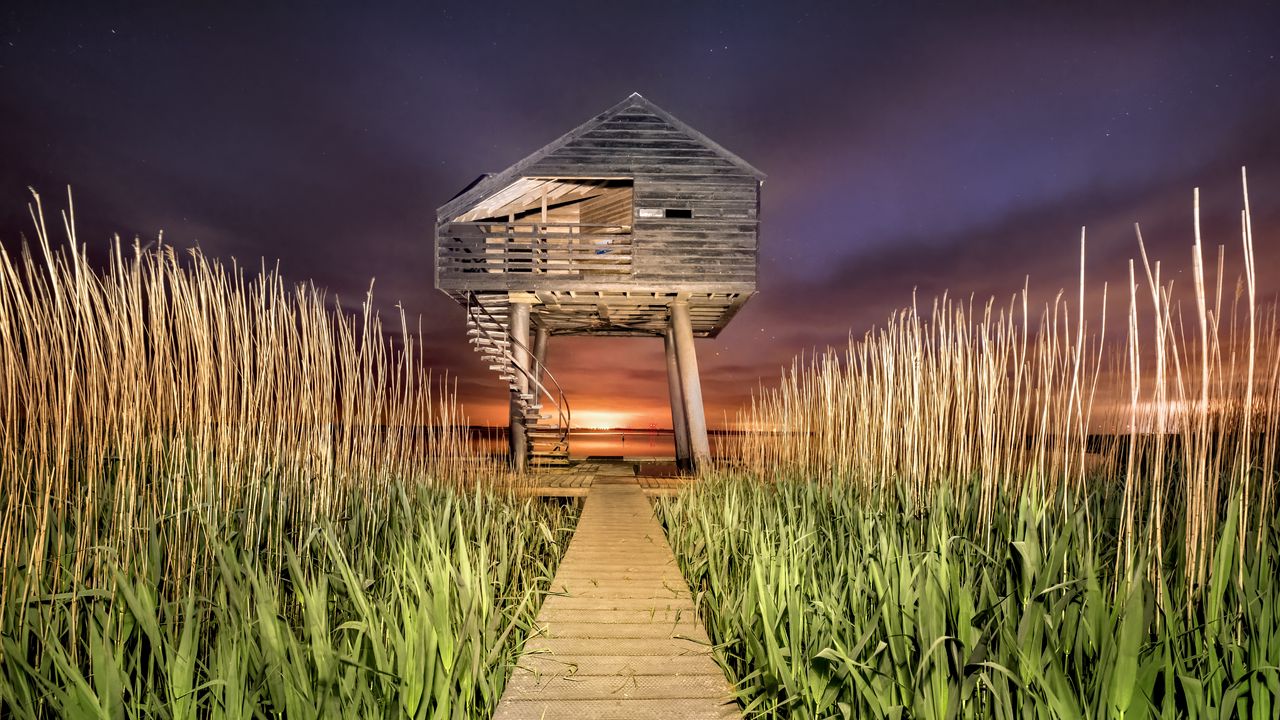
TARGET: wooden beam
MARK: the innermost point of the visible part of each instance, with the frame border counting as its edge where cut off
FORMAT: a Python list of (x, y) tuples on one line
[(679, 428), (519, 328), (690, 386), (540, 337)]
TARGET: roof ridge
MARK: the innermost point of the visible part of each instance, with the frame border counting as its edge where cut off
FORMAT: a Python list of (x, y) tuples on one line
[(501, 179)]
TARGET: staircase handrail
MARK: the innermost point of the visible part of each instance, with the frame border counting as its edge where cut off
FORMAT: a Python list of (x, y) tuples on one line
[(563, 412)]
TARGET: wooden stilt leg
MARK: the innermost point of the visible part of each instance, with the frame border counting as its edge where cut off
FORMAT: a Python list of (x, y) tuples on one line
[(540, 337), (520, 355), (690, 387), (679, 428)]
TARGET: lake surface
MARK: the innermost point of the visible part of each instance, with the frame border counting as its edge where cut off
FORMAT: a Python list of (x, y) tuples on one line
[(585, 443)]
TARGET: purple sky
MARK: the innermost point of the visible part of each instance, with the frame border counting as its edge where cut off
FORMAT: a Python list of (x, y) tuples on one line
[(906, 147)]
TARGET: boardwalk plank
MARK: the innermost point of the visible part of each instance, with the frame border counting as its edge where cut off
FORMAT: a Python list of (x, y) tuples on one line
[(687, 628), (618, 615), (621, 665), (616, 709), (565, 602), (607, 687)]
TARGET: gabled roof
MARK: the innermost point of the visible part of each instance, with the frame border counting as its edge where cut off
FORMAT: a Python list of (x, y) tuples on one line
[(493, 182)]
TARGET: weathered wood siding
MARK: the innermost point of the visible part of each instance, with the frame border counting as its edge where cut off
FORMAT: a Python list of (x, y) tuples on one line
[(716, 247)]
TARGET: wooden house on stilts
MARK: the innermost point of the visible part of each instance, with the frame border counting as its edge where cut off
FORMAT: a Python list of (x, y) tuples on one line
[(632, 224)]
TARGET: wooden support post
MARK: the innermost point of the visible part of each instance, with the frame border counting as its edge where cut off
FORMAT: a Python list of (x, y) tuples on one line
[(519, 329), (540, 336), (690, 387), (679, 428)]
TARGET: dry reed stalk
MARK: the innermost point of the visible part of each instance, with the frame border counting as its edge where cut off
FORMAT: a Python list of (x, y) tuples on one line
[(997, 407), (162, 394)]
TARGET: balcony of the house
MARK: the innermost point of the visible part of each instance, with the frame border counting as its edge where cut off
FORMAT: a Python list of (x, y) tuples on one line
[(540, 232)]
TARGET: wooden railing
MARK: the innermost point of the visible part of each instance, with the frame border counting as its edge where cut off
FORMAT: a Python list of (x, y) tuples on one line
[(570, 249)]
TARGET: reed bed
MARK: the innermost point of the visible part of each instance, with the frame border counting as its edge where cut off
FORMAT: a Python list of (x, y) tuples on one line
[(225, 496), (827, 603), (981, 510)]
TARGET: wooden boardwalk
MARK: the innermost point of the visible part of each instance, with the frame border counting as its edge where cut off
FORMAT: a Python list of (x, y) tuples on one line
[(576, 479), (618, 635)]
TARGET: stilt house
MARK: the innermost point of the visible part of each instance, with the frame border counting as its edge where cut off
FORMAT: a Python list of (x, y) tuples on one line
[(632, 224)]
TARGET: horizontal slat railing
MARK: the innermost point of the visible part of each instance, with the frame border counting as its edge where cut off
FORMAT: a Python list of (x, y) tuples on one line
[(571, 249)]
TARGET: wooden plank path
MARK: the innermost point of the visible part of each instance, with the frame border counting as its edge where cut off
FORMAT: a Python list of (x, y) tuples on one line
[(618, 635), (576, 479)]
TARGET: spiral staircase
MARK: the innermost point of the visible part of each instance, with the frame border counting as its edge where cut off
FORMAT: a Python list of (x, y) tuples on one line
[(543, 406)]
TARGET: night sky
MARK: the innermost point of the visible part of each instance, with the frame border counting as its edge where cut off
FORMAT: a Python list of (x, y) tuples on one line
[(906, 147)]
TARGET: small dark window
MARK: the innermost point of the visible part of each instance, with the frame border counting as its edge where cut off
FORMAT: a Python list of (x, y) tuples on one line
[(679, 213)]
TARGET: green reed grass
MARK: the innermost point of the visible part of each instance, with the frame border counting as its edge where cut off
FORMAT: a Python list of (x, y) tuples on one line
[(831, 603), (988, 511), (424, 621), (224, 496)]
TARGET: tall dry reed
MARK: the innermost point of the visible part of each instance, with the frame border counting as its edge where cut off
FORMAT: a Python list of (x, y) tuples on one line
[(1180, 415), (990, 511), (167, 395)]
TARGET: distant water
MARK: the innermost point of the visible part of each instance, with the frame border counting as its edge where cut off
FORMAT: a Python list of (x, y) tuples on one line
[(584, 443)]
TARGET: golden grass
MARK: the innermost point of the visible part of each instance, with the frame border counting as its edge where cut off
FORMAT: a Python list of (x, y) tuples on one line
[(1182, 416), (168, 391)]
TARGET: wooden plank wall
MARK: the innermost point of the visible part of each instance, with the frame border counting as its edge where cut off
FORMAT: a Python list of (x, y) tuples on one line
[(672, 170)]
